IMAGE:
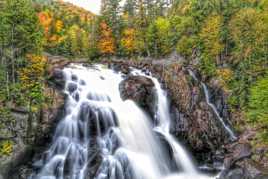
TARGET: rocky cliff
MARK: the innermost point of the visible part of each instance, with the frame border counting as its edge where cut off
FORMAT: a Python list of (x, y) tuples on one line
[(193, 121)]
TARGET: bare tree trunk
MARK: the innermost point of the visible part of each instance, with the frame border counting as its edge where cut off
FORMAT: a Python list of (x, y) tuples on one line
[(29, 122), (12, 57), (7, 85)]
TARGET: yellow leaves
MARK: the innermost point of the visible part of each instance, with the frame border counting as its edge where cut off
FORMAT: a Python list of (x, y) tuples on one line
[(106, 42), (78, 40), (6, 148), (128, 40), (210, 36), (31, 75), (58, 25), (225, 75), (264, 4), (249, 30)]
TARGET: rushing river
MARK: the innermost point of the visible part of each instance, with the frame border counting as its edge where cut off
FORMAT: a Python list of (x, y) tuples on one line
[(128, 143)]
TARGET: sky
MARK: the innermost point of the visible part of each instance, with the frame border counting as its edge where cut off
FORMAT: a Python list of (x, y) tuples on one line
[(91, 5)]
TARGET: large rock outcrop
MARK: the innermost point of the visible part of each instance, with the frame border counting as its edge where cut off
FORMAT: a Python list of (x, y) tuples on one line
[(141, 90)]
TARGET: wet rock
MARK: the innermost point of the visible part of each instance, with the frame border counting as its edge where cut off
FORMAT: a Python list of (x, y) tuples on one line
[(74, 77), (120, 67), (72, 87), (76, 97), (235, 174), (57, 78), (141, 90), (246, 169), (179, 122), (82, 82), (253, 169), (238, 151)]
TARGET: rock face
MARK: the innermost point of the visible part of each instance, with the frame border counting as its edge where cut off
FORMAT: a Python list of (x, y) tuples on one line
[(17, 165), (139, 89), (192, 119), (194, 122), (57, 79)]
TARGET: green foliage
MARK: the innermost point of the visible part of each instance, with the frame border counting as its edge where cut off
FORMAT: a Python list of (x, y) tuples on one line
[(20, 27), (159, 37), (210, 37), (257, 109), (186, 45), (20, 34)]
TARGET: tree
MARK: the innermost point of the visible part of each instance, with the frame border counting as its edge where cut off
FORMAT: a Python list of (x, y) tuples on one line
[(212, 46), (72, 39), (32, 80), (106, 43), (20, 33), (45, 19), (257, 109), (129, 10), (128, 41), (110, 14), (210, 36)]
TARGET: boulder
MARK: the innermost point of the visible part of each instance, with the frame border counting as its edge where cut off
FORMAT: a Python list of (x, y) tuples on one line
[(72, 87), (57, 78), (245, 169), (141, 90), (238, 151)]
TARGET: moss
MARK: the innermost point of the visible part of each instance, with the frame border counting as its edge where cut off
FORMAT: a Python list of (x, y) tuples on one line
[(6, 148), (6, 118)]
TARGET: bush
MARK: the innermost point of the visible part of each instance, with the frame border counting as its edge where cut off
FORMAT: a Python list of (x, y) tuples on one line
[(6, 148), (257, 111), (186, 46)]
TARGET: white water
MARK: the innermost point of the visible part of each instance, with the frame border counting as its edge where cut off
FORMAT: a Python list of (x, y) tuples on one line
[(129, 146), (213, 107)]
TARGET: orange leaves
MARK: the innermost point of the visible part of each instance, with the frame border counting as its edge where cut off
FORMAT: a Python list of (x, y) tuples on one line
[(45, 19), (52, 28), (106, 42), (128, 40)]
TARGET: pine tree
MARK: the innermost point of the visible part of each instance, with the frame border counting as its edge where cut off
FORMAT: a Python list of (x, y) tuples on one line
[(20, 34)]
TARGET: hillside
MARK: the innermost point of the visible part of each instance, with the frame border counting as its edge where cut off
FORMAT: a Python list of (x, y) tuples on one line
[(66, 27)]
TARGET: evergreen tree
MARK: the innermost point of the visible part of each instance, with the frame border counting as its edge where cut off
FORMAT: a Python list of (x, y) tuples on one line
[(20, 33)]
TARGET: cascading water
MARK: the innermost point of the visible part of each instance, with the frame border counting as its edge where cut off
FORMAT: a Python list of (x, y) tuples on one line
[(99, 123), (213, 107)]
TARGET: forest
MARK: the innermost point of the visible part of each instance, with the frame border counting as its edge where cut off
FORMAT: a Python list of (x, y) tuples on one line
[(226, 40)]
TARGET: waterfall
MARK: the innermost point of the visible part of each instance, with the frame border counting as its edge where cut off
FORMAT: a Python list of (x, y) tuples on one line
[(213, 107), (102, 131)]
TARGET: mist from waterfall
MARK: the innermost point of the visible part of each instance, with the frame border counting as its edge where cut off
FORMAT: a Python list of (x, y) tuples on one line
[(123, 138)]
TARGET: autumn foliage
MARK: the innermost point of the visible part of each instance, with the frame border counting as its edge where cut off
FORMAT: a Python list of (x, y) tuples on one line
[(106, 43), (128, 40), (32, 76)]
